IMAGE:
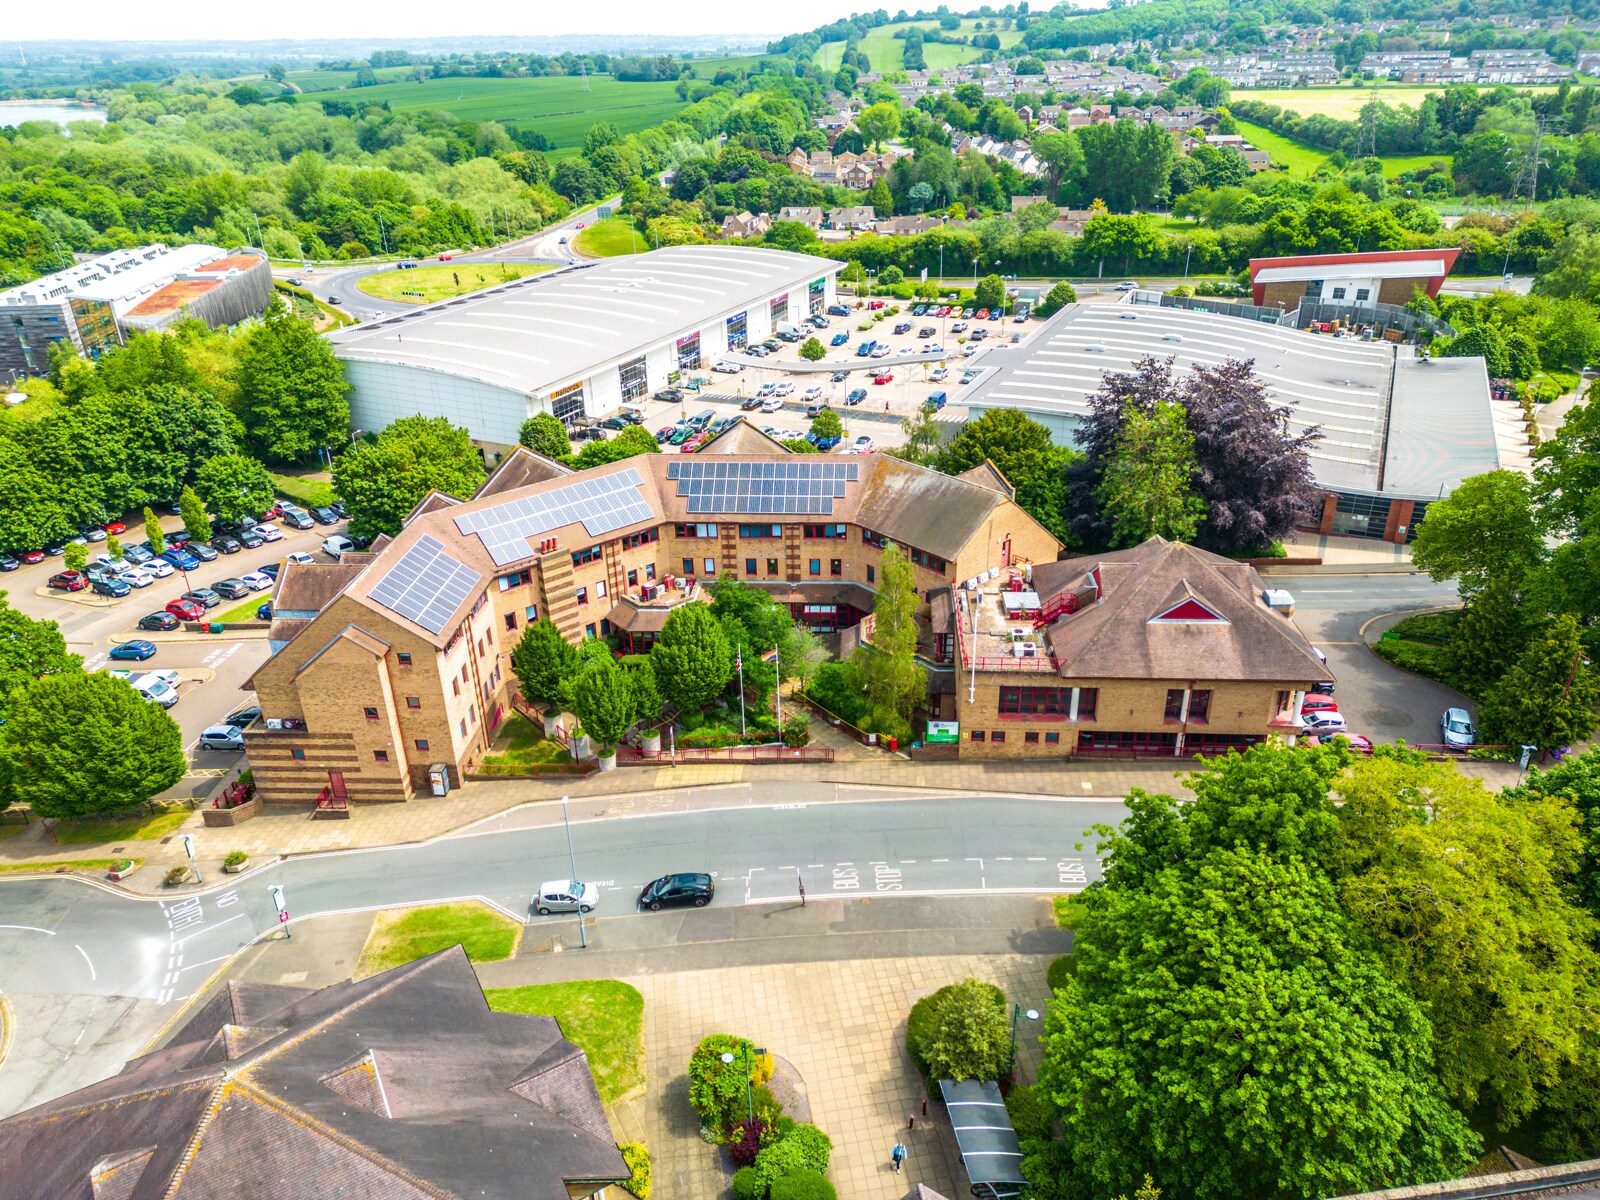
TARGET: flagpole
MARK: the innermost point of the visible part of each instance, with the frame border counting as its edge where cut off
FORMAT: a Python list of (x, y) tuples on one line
[(778, 690), (739, 660)]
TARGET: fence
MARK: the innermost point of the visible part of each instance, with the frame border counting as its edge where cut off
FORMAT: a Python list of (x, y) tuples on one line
[(1386, 316), (836, 721), (1225, 308), (628, 756)]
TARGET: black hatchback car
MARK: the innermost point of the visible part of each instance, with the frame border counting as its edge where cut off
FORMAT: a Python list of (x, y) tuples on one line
[(323, 515), (202, 551), (159, 621), (692, 888), (227, 544)]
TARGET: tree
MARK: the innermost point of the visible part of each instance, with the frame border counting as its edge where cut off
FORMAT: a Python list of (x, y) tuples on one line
[(879, 122), (812, 350), (1480, 341), (827, 424), (692, 658), (602, 699), (1488, 638), (291, 388), (76, 745), (544, 663), (1022, 450), (1057, 298), (1147, 488), (1575, 781), (970, 1037), (153, 532), (1548, 698), (1566, 475), (544, 434), (990, 292), (29, 650), (232, 488), (1484, 530), (383, 480), (1464, 895), (647, 701), (196, 523), (635, 439), (74, 557), (895, 682)]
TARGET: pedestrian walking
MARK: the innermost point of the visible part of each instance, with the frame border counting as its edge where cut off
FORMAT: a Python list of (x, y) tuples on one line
[(898, 1154)]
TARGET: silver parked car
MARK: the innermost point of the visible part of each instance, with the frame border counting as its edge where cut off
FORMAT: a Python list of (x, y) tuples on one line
[(565, 895), (1456, 730)]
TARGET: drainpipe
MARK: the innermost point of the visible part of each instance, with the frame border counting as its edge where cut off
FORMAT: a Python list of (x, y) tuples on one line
[(1183, 720)]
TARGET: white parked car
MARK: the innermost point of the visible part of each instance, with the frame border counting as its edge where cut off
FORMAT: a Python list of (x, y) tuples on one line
[(933, 348), (959, 327), (257, 581), (1327, 721), (119, 565), (968, 351), (164, 675), (771, 405), (881, 352), (335, 545), (812, 393), (299, 556), (135, 578), (862, 445), (155, 691), (565, 895), (160, 566), (767, 389), (269, 533), (784, 389), (939, 373), (728, 368)]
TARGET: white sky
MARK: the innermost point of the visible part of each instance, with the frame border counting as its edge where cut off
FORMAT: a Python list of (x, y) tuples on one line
[(207, 19)]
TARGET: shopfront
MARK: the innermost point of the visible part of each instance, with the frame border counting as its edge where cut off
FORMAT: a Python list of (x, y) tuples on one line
[(738, 326), (566, 405), (816, 296), (689, 352)]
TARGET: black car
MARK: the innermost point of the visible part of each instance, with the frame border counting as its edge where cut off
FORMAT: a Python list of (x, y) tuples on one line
[(227, 544), (692, 888), (231, 589), (340, 509), (159, 621), (7, 563), (250, 539), (109, 587), (324, 515), (202, 551), (244, 717), (749, 405), (840, 376), (203, 596), (271, 569), (615, 423)]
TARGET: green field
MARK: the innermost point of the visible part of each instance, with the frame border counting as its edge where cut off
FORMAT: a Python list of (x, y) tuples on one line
[(603, 1017), (445, 280), (886, 52), (1303, 159), (557, 107), (1342, 102), (705, 68), (606, 239)]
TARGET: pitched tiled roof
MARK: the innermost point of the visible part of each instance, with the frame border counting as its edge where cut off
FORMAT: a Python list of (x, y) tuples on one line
[(741, 437), (400, 1087), (1216, 625)]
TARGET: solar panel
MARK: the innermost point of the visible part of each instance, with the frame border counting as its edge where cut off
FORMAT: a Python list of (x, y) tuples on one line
[(801, 488), (426, 586), (602, 505)]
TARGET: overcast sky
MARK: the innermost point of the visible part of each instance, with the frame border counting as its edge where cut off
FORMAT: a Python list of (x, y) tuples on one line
[(202, 19)]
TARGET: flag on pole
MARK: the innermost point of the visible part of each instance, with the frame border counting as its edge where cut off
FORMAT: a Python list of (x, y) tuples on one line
[(770, 655), (738, 660)]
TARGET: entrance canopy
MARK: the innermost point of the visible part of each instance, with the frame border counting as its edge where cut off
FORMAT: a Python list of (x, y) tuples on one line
[(988, 1144)]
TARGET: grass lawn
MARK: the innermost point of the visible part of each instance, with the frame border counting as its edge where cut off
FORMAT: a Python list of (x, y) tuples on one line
[(81, 864), (1062, 968), (608, 238), (140, 827), (522, 742), (603, 1017), (245, 610), (1069, 910), (1342, 102), (11, 831), (887, 53), (1303, 159), (445, 280), (303, 490), (404, 935)]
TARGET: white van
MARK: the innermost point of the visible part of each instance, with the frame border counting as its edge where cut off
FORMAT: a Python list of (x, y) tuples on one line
[(155, 689), (565, 895), (335, 544)]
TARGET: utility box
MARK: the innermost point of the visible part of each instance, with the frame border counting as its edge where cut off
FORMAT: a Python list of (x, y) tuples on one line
[(439, 779)]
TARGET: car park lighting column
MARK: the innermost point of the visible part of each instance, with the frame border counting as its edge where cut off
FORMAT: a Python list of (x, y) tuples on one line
[(572, 863)]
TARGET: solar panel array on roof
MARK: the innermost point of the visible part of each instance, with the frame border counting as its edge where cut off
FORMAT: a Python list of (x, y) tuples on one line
[(426, 586), (808, 488), (603, 505)]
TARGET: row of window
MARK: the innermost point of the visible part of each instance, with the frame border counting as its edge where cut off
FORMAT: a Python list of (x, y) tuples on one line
[(592, 554), (998, 736), (1048, 701)]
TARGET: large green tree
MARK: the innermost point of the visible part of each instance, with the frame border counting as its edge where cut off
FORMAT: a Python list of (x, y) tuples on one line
[(76, 745), (385, 479), (1023, 451), (633, 440), (602, 699), (29, 649), (1483, 530), (234, 488), (544, 434), (990, 292), (196, 520), (545, 664), (1549, 698), (291, 388), (895, 682), (1489, 637), (692, 659), (1147, 488)]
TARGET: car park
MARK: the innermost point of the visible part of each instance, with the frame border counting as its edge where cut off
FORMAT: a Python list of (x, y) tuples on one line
[(112, 587), (856, 396), (202, 551), (839, 339), (158, 622), (565, 895), (135, 651), (690, 888), (221, 737), (188, 610), (324, 515), (1456, 729), (269, 533), (69, 581), (1325, 722)]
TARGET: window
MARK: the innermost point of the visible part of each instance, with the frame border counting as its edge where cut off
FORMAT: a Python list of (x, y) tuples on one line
[(531, 612), (1031, 738), (633, 578), (600, 590), (649, 570), (566, 405), (635, 379), (516, 579), (1051, 739), (999, 735), (1088, 699), (463, 727), (1174, 704), (511, 620), (923, 559), (872, 574), (1338, 293), (413, 701), (976, 735), (588, 630), (761, 531), (583, 595), (689, 352), (298, 755), (1035, 701), (695, 531), (592, 554), (1361, 516), (688, 566), (749, 566), (1363, 295), (827, 531), (835, 567), (778, 308), (711, 566), (874, 539), (1199, 706), (380, 755), (370, 713), (816, 566), (455, 686), (643, 538), (421, 743), (737, 325), (405, 660)]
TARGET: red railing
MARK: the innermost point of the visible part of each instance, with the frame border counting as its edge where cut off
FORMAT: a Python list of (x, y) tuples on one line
[(1001, 662), (629, 756)]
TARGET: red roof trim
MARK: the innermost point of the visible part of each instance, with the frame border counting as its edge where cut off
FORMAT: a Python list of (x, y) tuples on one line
[(1189, 610), (1448, 253)]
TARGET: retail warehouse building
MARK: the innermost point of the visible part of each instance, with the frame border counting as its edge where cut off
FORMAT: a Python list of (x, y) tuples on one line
[(577, 343)]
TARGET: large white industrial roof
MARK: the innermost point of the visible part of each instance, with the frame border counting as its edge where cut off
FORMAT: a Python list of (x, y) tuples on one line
[(1412, 432), (1409, 268), (121, 277), (546, 330)]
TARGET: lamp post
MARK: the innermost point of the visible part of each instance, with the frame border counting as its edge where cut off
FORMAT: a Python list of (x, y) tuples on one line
[(188, 848), (727, 1059), (1016, 1011), (572, 863)]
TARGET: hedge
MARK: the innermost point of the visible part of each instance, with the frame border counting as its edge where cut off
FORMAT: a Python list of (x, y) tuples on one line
[(1419, 659), (923, 1023), (803, 1185), (637, 1157)]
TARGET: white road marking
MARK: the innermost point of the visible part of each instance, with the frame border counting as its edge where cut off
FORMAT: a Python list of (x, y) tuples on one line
[(207, 963), (30, 929), (207, 929), (86, 961)]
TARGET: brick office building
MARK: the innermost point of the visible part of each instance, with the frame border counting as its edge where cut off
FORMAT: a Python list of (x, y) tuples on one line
[(387, 664), (1161, 648), (1367, 278)]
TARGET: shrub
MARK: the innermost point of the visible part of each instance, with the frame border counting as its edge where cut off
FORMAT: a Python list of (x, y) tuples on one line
[(1427, 661), (1029, 1112), (768, 1111), (637, 1156), (797, 730), (749, 1184), (837, 688), (803, 1185), (804, 1148), (235, 857), (178, 875), (951, 1034), (716, 1088), (746, 1142)]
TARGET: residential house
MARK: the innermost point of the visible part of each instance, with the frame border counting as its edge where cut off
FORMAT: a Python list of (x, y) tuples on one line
[(746, 225), (1018, 203), (859, 216), (806, 216), (902, 226)]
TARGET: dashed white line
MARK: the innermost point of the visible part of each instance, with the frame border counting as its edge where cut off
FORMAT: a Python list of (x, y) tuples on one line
[(940, 860)]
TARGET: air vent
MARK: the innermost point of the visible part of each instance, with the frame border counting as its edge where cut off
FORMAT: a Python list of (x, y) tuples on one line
[(1172, 337), (1095, 348)]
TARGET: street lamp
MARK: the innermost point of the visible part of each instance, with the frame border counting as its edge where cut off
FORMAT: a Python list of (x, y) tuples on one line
[(572, 863), (727, 1059), (188, 848), (1016, 1011)]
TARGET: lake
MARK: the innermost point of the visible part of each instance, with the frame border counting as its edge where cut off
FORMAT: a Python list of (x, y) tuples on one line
[(16, 114)]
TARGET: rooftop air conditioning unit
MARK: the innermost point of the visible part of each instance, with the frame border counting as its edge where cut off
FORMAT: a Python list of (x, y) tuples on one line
[(1095, 348), (1172, 337)]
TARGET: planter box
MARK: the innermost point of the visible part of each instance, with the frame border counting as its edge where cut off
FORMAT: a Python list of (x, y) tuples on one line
[(119, 876), (235, 868), (650, 745), (225, 818), (608, 762)]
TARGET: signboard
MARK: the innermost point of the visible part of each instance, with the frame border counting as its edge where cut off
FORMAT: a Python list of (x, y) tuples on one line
[(924, 274), (943, 731)]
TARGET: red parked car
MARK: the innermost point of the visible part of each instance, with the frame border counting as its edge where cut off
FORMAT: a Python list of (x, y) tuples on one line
[(69, 581), (886, 377), (32, 556), (187, 609), (1313, 704), (114, 528)]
